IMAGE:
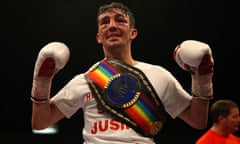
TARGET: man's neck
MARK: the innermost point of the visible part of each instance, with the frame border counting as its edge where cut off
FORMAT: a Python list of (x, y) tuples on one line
[(220, 130), (124, 56)]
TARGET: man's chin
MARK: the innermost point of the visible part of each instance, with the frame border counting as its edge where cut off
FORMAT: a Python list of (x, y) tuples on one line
[(114, 45)]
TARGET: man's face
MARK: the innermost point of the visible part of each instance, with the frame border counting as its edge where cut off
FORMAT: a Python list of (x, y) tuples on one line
[(114, 29), (232, 121)]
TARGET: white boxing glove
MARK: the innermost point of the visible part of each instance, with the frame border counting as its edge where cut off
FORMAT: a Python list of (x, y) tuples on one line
[(194, 56), (50, 60)]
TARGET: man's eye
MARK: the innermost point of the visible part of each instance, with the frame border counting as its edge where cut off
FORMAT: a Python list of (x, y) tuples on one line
[(121, 20), (104, 22)]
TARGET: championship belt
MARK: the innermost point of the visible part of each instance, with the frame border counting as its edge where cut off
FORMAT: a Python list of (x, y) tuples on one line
[(125, 92)]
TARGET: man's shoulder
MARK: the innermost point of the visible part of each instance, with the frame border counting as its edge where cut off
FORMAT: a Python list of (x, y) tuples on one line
[(146, 65)]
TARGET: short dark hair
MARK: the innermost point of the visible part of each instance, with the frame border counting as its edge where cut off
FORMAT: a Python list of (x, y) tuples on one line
[(222, 107), (108, 7)]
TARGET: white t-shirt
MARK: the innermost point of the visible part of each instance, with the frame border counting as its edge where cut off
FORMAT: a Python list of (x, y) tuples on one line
[(102, 128)]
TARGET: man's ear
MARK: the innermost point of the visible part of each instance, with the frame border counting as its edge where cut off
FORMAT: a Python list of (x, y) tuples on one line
[(98, 38), (220, 117), (134, 33)]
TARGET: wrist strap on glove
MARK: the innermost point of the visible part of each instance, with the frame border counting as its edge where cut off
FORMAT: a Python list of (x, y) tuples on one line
[(202, 86)]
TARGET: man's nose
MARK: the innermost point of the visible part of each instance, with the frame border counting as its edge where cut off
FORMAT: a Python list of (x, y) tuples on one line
[(112, 22), (113, 25)]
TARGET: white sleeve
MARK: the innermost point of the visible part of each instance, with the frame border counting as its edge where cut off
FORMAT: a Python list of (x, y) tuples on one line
[(175, 98), (71, 97)]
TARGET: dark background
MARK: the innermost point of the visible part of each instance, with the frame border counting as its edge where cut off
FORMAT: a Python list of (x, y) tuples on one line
[(26, 26)]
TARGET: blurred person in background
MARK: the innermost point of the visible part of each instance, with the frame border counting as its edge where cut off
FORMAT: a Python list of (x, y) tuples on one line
[(226, 120)]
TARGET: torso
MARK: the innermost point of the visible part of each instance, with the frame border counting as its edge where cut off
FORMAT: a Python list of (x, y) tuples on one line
[(99, 126)]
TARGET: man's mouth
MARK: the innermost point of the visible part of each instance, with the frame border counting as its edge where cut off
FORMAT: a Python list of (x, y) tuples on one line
[(113, 35)]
